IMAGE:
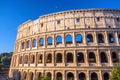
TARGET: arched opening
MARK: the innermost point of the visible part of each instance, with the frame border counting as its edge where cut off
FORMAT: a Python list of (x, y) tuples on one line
[(119, 38), (82, 76), (24, 76), (106, 76), (49, 40), (20, 60), (58, 40), (59, 76), (40, 58), (39, 75), (69, 58), (41, 42), (49, 75), (28, 44), (89, 38), (114, 57), (70, 76), (78, 38), (111, 38), (32, 58), (34, 43), (23, 45), (80, 57), (59, 58), (103, 57), (91, 57), (49, 58), (94, 76), (26, 59), (100, 38), (68, 39), (31, 76)]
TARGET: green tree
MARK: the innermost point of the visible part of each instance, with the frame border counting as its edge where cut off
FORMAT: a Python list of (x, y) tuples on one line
[(115, 73)]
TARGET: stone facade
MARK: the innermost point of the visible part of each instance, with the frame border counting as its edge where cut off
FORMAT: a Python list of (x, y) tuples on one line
[(69, 45)]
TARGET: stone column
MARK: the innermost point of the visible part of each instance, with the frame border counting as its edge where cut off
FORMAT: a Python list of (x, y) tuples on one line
[(100, 75), (84, 38), (95, 37), (109, 58), (114, 25), (104, 22), (73, 39), (86, 58), (98, 58), (106, 38), (37, 40), (76, 76), (53, 74), (63, 40), (88, 75), (36, 58), (53, 58), (64, 75), (34, 75), (116, 38), (75, 61)]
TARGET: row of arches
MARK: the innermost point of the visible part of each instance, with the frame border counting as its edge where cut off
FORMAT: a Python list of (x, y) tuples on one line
[(69, 40), (69, 58), (69, 76)]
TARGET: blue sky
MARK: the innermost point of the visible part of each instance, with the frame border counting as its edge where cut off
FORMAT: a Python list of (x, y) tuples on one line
[(15, 12)]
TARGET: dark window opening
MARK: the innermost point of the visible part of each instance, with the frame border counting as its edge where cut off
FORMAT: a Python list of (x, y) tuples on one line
[(78, 20), (70, 76), (100, 38), (89, 38), (80, 57), (59, 58), (114, 57), (82, 76), (58, 22), (91, 57), (94, 76), (111, 38), (69, 58), (41, 42), (103, 57), (49, 58)]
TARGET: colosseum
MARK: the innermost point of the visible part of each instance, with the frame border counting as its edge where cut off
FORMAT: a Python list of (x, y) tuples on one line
[(70, 45)]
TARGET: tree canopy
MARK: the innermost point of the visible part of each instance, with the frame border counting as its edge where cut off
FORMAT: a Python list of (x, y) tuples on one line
[(115, 73)]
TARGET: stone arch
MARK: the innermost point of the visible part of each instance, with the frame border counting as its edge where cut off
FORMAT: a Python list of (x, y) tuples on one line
[(89, 38), (106, 76), (34, 43), (78, 38), (80, 57), (114, 57), (20, 60), (49, 75), (59, 58), (41, 42), (28, 44), (100, 38), (49, 40), (24, 75), (82, 76), (94, 76), (70, 76), (49, 58), (39, 75), (58, 40), (70, 58), (68, 39), (32, 58), (111, 38), (40, 58), (59, 76), (31, 76), (91, 57), (26, 59), (23, 45), (103, 57)]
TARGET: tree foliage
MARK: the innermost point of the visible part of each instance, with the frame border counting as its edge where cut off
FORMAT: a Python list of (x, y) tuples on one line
[(115, 73)]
